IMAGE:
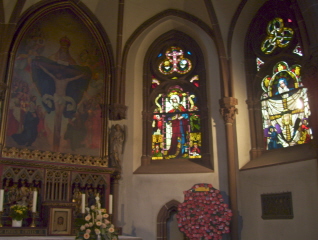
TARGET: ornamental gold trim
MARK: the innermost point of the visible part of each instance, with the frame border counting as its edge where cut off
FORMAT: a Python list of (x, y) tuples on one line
[(65, 167), (56, 157)]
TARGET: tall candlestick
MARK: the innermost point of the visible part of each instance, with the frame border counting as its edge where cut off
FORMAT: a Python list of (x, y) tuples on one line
[(1, 199), (83, 203), (35, 198), (110, 210)]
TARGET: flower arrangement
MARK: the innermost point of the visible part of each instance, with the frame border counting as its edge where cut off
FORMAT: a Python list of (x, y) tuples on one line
[(95, 225), (18, 212), (203, 214)]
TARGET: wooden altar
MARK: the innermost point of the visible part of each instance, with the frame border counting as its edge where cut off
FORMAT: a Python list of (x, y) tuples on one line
[(58, 151), (62, 190)]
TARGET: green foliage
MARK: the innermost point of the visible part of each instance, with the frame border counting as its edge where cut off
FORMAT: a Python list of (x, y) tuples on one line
[(18, 212)]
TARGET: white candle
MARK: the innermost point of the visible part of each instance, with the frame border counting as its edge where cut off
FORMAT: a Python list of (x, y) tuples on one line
[(110, 210), (83, 202), (1, 199), (35, 198)]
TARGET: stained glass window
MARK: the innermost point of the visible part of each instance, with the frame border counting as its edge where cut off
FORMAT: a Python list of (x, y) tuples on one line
[(175, 62), (298, 50), (277, 36), (176, 119), (176, 125), (259, 63), (175, 112), (285, 107), (276, 94)]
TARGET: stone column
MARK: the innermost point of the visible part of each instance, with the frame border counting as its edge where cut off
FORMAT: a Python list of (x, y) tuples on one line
[(229, 111), (115, 192)]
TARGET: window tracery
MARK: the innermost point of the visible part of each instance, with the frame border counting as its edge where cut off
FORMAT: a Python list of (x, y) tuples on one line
[(284, 108), (175, 96)]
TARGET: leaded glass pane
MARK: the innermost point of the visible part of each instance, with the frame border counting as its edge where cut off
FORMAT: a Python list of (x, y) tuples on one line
[(175, 62), (298, 50), (285, 108), (259, 63), (277, 36), (176, 126)]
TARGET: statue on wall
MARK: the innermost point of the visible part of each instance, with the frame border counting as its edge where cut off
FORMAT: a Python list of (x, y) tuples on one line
[(117, 138)]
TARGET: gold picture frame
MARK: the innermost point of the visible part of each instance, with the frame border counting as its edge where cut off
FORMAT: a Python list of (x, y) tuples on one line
[(60, 221)]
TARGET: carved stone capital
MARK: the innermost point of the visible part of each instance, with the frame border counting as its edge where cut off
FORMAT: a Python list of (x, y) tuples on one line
[(117, 111), (228, 109)]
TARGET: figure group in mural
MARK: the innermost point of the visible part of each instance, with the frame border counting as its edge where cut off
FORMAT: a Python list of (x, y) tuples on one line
[(54, 98)]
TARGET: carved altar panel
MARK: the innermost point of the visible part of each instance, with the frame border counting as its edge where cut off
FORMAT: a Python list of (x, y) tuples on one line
[(57, 185)]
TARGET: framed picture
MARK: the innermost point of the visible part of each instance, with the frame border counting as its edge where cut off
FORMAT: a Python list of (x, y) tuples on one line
[(60, 221)]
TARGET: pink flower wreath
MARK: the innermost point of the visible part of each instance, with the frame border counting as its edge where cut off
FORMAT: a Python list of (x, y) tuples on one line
[(203, 214)]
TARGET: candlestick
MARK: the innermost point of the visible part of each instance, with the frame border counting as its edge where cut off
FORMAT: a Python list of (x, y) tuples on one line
[(110, 210), (33, 222), (1, 199), (1, 219), (35, 196), (83, 202)]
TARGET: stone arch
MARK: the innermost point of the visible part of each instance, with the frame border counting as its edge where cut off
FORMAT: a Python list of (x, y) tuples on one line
[(163, 216)]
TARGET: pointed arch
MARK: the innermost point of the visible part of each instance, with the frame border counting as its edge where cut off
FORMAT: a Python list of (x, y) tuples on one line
[(37, 53), (170, 13), (273, 67), (189, 83), (163, 216)]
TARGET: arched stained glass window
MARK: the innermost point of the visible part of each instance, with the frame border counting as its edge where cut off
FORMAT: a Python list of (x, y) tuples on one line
[(275, 46), (285, 108), (175, 100)]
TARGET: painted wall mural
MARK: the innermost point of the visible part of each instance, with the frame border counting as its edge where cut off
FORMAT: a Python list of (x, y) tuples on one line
[(57, 87)]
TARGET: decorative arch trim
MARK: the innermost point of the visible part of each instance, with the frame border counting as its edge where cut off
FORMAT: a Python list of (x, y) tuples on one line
[(164, 14), (163, 216)]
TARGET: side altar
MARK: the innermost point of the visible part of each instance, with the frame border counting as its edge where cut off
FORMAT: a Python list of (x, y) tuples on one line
[(58, 150), (53, 197)]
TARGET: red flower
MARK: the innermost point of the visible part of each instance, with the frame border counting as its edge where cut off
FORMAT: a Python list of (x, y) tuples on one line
[(202, 213)]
